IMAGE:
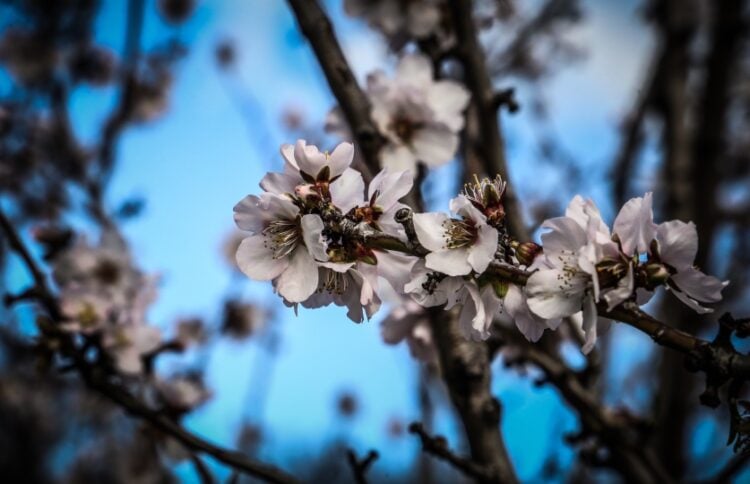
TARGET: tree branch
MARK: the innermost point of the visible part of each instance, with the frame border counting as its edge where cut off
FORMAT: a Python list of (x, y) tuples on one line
[(438, 447), (318, 30), (484, 99), (360, 467)]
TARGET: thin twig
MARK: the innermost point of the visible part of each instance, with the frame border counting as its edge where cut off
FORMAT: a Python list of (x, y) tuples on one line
[(438, 447), (360, 467), (317, 28)]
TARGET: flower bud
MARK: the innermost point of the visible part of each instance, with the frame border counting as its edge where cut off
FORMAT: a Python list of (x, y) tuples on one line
[(527, 252), (306, 191)]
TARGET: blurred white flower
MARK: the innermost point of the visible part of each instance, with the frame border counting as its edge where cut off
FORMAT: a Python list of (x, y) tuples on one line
[(399, 20), (409, 322)]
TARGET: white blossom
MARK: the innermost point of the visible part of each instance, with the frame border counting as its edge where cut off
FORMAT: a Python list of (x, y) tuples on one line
[(457, 246), (283, 246), (399, 20), (409, 322)]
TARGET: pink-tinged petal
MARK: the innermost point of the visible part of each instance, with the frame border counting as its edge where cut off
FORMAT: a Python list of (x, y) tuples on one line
[(369, 273), (430, 229), (340, 267), (473, 320), (128, 361), (587, 262), (587, 216), (590, 319), (548, 298), (395, 268), (622, 292), (689, 302), (529, 324), (312, 234), (348, 190), (463, 207), (145, 338), (341, 158), (300, 279), (565, 236), (287, 151), (453, 262), (448, 99), (484, 248), (391, 186), (678, 243), (415, 70), (256, 260), (309, 159), (635, 225), (278, 206), (280, 183), (250, 215), (699, 286), (398, 158), (434, 145)]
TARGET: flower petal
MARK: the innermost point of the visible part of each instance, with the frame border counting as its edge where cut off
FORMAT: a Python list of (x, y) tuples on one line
[(312, 233), (528, 323), (635, 225), (341, 158), (348, 190), (699, 286), (430, 229), (448, 99), (590, 320), (678, 243), (250, 215), (548, 298), (309, 158), (398, 157), (280, 183), (414, 69), (482, 252), (256, 260), (300, 279), (453, 262), (434, 145), (392, 186)]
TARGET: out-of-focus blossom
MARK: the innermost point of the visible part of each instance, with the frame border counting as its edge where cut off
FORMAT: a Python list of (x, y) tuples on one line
[(419, 117), (400, 20), (128, 344), (176, 11), (183, 393), (409, 322), (242, 319), (27, 55)]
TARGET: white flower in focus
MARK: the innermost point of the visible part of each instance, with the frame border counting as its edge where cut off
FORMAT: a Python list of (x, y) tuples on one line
[(567, 281), (283, 246), (128, 344), (677, 244), (352, 285), (634, 225), (457, 246)]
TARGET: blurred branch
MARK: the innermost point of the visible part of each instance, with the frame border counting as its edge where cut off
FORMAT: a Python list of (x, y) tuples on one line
[(97, 380), (465, 368), (490, 144), (360, 467), (735, 466), (628, 453), (438, 447), (317, 28)]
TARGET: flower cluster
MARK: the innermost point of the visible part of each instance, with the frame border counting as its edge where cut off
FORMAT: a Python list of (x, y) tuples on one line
[(420, 118), (104, 298), (584, 263), (400, 20), (320, 240)]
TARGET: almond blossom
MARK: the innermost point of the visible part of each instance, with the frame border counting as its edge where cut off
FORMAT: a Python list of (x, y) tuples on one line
[(409, 322), (671, 248), (399, 20), (283, 245), (420, 118), (457, 246)]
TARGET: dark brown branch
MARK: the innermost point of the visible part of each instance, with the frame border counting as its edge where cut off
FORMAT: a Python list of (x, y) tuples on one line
[(438, 447), (318, 30), (491, 144), (735, 466), (360, 467)]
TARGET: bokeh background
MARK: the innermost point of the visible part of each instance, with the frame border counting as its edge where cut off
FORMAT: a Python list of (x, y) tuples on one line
[(307, 386)]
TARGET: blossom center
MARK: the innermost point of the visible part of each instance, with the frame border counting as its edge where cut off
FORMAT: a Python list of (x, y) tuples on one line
[(281, 237), (335, 282), (404, 128), (107, 272), (459, 233)]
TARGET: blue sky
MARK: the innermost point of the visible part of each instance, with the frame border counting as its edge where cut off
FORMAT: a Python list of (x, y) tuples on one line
[(205, 154)]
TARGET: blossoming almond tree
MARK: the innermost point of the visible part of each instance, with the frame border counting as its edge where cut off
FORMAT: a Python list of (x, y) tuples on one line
[(351, 227)]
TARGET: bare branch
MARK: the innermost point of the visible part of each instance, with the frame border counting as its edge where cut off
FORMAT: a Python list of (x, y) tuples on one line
[(360, 467), (438, 447), (317, 28)]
